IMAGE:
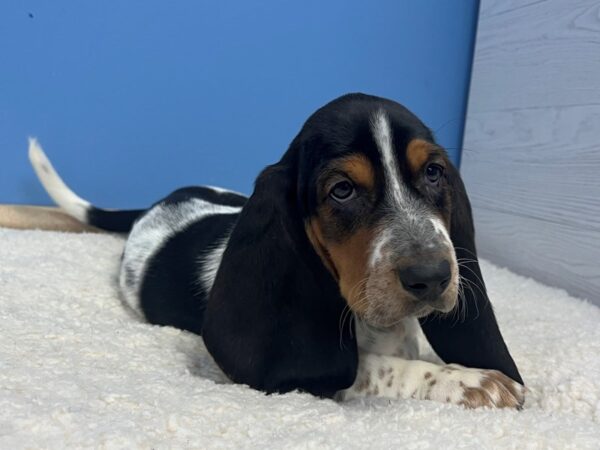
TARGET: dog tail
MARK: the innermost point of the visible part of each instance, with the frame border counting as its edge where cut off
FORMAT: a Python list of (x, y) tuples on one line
[(111, 220)]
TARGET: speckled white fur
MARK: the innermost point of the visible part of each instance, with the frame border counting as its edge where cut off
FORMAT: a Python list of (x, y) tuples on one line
[(440, 228), (388, 367), (379, 242), (400, 378)]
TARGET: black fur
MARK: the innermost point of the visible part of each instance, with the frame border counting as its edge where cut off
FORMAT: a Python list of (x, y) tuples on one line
[(171, 293), (117, 221), (272, 319)]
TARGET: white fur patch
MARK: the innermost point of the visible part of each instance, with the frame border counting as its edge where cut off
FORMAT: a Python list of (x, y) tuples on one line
[(394, 377), (401, 340), (377, 250), (387, 368), (151, 232), (383, 138), (440, 228), (221, 190), (62, 195)]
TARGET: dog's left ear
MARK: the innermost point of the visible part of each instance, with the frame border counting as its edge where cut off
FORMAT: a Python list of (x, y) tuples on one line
[(273, 317), (469, 336)]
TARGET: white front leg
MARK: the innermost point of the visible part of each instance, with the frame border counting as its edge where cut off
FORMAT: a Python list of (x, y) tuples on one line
[(394, 377)]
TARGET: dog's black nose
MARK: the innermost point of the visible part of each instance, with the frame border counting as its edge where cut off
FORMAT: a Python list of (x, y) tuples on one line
[(426, 281)]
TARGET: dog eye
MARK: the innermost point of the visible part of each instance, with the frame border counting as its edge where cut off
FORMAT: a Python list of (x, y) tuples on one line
[(342, 191), (434, 172)]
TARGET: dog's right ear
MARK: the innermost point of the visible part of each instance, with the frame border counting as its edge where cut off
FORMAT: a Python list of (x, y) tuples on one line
[(272, 319)]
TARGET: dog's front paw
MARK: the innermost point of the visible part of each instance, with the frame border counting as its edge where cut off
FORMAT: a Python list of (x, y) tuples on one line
[(474, 388)]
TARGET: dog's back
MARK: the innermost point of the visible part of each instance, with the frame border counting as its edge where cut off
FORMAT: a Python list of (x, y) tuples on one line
[(173, 252)]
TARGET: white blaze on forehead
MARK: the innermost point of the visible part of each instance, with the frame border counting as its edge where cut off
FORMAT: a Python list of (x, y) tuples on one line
[(412, 214), (380, 127)]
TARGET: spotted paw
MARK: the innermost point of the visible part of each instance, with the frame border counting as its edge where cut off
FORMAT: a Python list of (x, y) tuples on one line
[(474, 388)]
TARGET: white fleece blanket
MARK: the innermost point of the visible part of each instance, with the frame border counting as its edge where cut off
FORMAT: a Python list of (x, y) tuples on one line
[(76, 370)]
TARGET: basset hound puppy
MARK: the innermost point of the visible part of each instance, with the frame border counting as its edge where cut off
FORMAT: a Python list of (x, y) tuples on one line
[(356, 240)]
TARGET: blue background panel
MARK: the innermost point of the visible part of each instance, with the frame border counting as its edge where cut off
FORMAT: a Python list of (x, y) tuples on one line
[(132, 99)]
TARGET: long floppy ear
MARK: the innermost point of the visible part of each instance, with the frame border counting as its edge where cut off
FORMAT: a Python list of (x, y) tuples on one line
[(474, 341), (272, 319)]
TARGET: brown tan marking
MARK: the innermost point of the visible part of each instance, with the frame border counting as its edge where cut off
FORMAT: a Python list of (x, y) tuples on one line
[(493, 376), (363, 383), (360, 170), (347, 260), (351, 259), (475, 398), (417, 152), (504, 387), (496, 389)]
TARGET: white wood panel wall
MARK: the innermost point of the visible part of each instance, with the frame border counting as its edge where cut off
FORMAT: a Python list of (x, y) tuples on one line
[(531, 158)]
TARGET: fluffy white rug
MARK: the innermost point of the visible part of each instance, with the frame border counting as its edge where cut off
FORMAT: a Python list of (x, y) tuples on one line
[(76, 370)]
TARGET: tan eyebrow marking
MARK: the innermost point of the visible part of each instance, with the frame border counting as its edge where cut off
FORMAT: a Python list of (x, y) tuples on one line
[(345, 255), (360, 169), (417, 152)]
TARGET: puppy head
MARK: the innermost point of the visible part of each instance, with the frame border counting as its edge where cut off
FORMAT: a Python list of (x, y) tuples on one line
[(364, 211), (376, 202)]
